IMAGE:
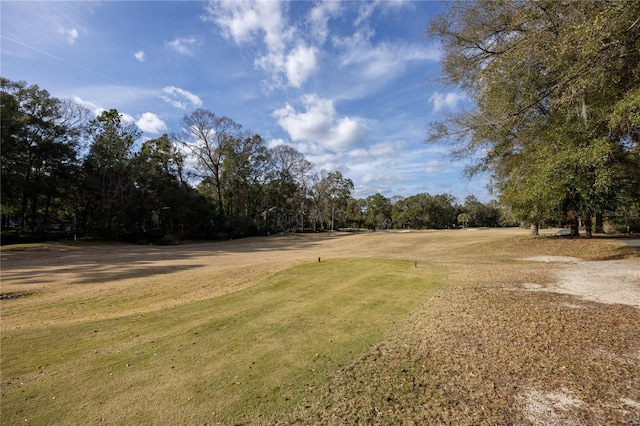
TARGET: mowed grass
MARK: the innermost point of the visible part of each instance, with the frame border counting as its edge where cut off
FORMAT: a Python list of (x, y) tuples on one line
[(240, 358), (252, 332)]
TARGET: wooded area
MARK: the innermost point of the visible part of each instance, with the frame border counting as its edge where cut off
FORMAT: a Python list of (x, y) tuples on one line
[(556, 93), (65, 173), (555, 88)]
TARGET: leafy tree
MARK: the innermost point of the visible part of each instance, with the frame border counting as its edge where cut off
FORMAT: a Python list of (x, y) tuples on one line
[(339, 191), (411, 211), (245, 172), (424, 211), (554, 85), (110, 176), (355, 211), (160, 195), (329, 192), (289, 180), (464, 219), (377, 211), (481, 214), (442, 211), (40, 136)]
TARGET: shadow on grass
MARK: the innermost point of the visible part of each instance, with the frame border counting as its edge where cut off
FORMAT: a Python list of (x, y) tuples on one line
[(93, 262)]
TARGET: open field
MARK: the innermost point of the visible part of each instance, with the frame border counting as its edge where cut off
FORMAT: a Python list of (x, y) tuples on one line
[(458, 327)]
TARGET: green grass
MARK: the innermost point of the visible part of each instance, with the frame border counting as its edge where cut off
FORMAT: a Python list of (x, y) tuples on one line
[(240, 358), (22, 246)]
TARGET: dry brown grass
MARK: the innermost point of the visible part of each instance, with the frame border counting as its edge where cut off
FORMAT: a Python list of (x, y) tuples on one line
[(482, 350)]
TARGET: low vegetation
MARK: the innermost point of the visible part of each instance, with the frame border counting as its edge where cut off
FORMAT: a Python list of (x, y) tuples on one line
[(388, 328)]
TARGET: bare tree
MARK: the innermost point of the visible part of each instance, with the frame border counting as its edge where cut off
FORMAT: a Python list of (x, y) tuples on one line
[(207, 138)]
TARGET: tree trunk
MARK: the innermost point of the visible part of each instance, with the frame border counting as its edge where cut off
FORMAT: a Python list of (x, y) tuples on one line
[(588, 225), (333, 213), (534, 229), (575, 226), (599, 224)]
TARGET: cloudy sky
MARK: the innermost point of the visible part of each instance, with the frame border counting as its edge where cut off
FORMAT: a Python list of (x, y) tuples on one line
[(352, 85)]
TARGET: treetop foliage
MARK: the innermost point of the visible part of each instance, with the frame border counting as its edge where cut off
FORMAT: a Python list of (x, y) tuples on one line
[(554, 86), (64, 173)]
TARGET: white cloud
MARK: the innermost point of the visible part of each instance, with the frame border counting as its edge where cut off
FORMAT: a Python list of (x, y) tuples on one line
[(140, 56), (318, 19), (383, 61), (244, 21), (318, 125), (272, 63), (95, 109), (290, 52), (296, 66), (385, 178), (366, 9), (275, 142), (301, 63), (185, 45), (180, 98), (151, 123), (443, 101), (70, 34), (435, 166), (377, 151), (286, 59), (127, 118)]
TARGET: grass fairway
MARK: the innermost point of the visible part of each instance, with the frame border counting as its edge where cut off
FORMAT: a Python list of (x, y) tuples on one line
[(396, 328), (241, 357)]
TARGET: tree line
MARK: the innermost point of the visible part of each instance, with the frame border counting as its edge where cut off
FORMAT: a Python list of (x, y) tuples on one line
[(555, 120), (65, 172)]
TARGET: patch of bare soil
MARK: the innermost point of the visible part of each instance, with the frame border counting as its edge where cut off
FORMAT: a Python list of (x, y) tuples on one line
[(605, 282)]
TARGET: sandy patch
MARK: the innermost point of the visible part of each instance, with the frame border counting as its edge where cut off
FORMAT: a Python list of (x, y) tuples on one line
[(550, 408), (612, 282), (553, 259), (631, 403)]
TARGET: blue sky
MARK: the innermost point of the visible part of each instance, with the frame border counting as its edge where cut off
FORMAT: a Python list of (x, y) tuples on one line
[(351, 85)]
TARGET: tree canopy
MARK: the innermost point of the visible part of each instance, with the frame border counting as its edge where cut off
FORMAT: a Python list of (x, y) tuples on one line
[(556, 100), (65, 173)]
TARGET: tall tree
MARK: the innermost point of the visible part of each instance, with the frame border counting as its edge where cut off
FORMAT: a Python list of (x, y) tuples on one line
[(355, 212), (160, 195), (207, 137), (339, 191), (329, 193), (412, 211), (377, 211), (546, 78), (290, 175), (40, 137), (109, 172), (245, 172), (424, 211)]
